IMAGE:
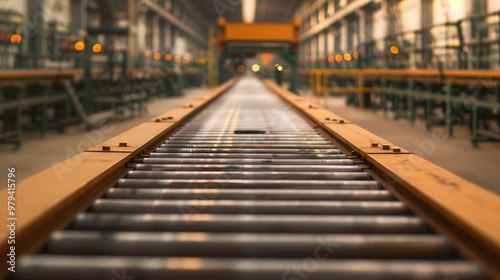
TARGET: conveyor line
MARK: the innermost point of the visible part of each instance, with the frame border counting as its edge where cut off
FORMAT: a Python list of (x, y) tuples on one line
[(248, 190)]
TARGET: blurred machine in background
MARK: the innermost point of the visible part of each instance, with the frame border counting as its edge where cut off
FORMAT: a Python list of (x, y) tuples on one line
[(63, 61), (446, 53)]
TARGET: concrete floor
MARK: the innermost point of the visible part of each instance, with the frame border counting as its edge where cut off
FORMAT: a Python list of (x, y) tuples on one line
[(479, 165), (456, 154)]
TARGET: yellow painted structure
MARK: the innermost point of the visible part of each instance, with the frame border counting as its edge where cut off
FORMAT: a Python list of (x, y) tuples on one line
[(258, 32)]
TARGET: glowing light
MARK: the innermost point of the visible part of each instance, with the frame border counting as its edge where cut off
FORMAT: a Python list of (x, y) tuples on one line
[(79, 46), (168, 57), (279, 68), (256, 68), (276, 65), (347, 57), (240, 68), (355, 55), (148, 54), (394, 50), (97, 48), (331, 59), (178, 58), (185, 60), (248, 10), (16, 38), (338, 58), (202, 62), (157, 56)]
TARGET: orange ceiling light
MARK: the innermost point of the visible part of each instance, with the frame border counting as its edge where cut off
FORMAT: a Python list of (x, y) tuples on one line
[(394, 50), (96, 48), (338, 58), (79, 46), (157, 56), (347, 57), (16, 38), (168, 57), (355, 55), (240, 68), (178, 59), (331, 59)]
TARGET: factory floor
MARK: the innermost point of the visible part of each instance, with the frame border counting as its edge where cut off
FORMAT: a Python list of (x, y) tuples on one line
[(456, 154)]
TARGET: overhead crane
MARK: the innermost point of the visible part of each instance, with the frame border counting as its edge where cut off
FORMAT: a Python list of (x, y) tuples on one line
[(252, 181), (247, 39)]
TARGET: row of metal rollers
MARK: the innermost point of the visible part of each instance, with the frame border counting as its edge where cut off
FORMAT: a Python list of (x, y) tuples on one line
[(248, 190)]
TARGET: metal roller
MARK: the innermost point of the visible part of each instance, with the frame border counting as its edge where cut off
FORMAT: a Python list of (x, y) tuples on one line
[(251, 135), (274, 175), (161, 152), (246, 161), (251, 151), (250, 207), (237, 136), (258, 133), (292, 128), (240, 167), (259, 142), (252, 184), (187, 222), (92, 267), (249, 145), (249, 245), (251, 194)]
